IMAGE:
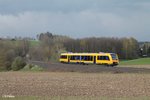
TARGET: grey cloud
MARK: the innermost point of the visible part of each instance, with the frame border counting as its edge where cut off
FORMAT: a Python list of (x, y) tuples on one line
[(76, 18), (17, 6), (77, 24)]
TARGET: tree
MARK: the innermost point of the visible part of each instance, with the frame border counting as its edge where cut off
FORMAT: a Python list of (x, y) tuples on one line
[(37, 53), (149, 51), (45, 37), (22, 48), (7, 54), (130, 48)]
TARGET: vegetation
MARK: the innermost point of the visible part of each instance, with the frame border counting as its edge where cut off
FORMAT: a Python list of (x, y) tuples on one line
[(32, 67), (144, 48), (126, 48), (140, 61), (34, 43), (48, 47), (18, 64), (10, 50), (7, 55)]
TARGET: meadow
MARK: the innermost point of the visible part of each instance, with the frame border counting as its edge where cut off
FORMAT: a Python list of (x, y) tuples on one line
[(140, 61)]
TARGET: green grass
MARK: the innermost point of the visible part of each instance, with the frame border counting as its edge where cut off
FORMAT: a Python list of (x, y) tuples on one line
[(140, 61), (16, 42), (34, 42), (74, 98)]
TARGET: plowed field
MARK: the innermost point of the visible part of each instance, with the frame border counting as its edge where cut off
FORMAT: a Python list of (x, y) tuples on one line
[(74, 84), (77, 80)]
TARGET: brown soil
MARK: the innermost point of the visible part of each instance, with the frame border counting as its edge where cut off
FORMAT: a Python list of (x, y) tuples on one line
[(77, 80), (74, 84)]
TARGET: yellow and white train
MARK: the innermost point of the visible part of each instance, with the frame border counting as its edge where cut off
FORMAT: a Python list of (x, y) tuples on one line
[(109, 59)]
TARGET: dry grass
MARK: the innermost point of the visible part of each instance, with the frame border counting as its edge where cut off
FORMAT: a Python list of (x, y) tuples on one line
[(74, 84)]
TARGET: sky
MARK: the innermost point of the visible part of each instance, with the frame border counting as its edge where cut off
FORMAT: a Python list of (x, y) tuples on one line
[(76, 18)]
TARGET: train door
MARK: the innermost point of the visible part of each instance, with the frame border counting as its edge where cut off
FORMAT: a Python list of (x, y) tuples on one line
[(94, 60), (68, 59)]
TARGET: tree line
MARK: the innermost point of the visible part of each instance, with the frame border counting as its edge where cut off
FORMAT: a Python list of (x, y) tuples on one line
[(126, 48), (48, 47)]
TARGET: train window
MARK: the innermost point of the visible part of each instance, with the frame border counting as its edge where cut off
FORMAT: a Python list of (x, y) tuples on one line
[(99, 57), (72, 58), (87, 58), (103, 58), (83, 57), (63, 57), (114, 56), (106, 58), (90, 58), (75, 58)]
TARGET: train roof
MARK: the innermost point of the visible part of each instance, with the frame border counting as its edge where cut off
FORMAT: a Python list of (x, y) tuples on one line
[(70, 53)]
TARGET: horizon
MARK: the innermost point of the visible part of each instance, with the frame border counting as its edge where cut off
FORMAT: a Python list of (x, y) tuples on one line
[(35, 38)]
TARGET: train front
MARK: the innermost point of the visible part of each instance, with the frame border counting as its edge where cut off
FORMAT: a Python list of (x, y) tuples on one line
[(115, 59)]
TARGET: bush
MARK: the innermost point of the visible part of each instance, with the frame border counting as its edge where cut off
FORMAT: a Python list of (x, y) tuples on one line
[(37, 68), (32, 67), (27, 67), (18, 63)]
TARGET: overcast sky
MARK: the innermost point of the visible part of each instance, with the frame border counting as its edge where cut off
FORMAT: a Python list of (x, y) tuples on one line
[(76, 18)]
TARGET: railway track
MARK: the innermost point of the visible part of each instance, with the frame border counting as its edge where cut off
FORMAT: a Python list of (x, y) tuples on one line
[(59, 67)]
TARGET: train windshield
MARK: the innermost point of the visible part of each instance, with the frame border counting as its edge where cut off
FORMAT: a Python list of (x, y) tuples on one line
[(114, 56), (63, 57)]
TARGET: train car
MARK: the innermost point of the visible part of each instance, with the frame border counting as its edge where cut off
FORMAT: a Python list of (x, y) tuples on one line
[(109, 59)]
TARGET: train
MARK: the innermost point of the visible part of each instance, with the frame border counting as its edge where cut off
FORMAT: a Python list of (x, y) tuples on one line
[(108, 59)]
